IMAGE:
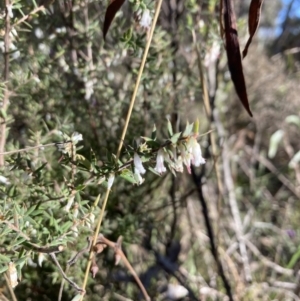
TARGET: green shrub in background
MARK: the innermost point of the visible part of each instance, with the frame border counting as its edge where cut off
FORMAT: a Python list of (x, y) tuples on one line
[(62, 83)]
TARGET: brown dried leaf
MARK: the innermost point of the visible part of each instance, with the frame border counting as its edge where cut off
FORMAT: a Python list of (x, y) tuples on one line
[(94, 270), (98, 248), (253, 21), (233, 53), (111, 11), (117, 258)]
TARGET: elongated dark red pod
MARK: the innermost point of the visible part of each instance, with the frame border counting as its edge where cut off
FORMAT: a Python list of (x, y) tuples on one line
[(234, 54), (110, 13)]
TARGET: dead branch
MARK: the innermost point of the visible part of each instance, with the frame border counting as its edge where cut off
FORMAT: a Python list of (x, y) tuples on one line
[(118, 251)]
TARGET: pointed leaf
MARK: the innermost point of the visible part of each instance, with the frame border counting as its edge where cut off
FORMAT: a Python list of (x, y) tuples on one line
[(253, 21), (188, 129), (170, 129), (153, 134), (275, 140), (233, 53), (111, 11), (175, 137), (293, 119)]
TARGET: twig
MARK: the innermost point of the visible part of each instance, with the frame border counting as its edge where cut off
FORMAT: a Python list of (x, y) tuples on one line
[(36, 10), (172, 269), (81, 252), (27, 149), (118, 251), (61, 288), (210, 233), (11, 291), (53, 257), (238, 226), (132, 101), (6, 78), (268, 164), (279, 269)]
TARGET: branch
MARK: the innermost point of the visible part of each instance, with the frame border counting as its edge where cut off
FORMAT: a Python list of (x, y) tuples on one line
[(279, 269), (117, 248), (268, 164), (27, 149), (210, 233), (36, 10), (238, 226), (53, 257), (6, 78)]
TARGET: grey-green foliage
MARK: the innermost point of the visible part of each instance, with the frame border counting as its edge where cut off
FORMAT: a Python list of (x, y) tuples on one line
[(64, 78)]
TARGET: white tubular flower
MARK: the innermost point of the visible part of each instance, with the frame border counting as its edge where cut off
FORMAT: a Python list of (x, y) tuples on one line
[(13, 275), (191, 154), (75, 210), (4, 180), (146, 19), (110, 180), (9, 11), (70, 203), (160, 168), (41, 258), (138, 176), (76, 137), (138, 168), (195, 149), (75, 230), (138, 165), (186, 157), (179, 164), (90, 220)]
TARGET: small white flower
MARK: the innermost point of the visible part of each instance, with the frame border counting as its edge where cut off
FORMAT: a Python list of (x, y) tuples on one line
[(191, 154), (76, 137), (70, 203), (138, 176), (41, 258), (4, 180), (75, 230), (75, 210), (146, 19), (138, 165), (110, 180), (90, 220), (9, 11), (138, 168), (195, 149), (13, 275), (186, 157), (179, 164), (160, 168)]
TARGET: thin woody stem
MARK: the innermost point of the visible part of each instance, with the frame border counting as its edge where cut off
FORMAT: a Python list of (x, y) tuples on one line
[(6, 78), (119, 251)]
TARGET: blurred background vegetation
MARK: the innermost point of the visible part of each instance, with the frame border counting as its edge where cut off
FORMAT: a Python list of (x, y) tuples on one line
[(59, 75)]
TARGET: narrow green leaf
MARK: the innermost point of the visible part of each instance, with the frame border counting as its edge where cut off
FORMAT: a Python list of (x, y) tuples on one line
[(170, 129), (174, 138), (153, 135), (188, 129)]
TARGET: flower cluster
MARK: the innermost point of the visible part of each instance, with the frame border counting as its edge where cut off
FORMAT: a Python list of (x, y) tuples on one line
[(144, 18), (186, 152)]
